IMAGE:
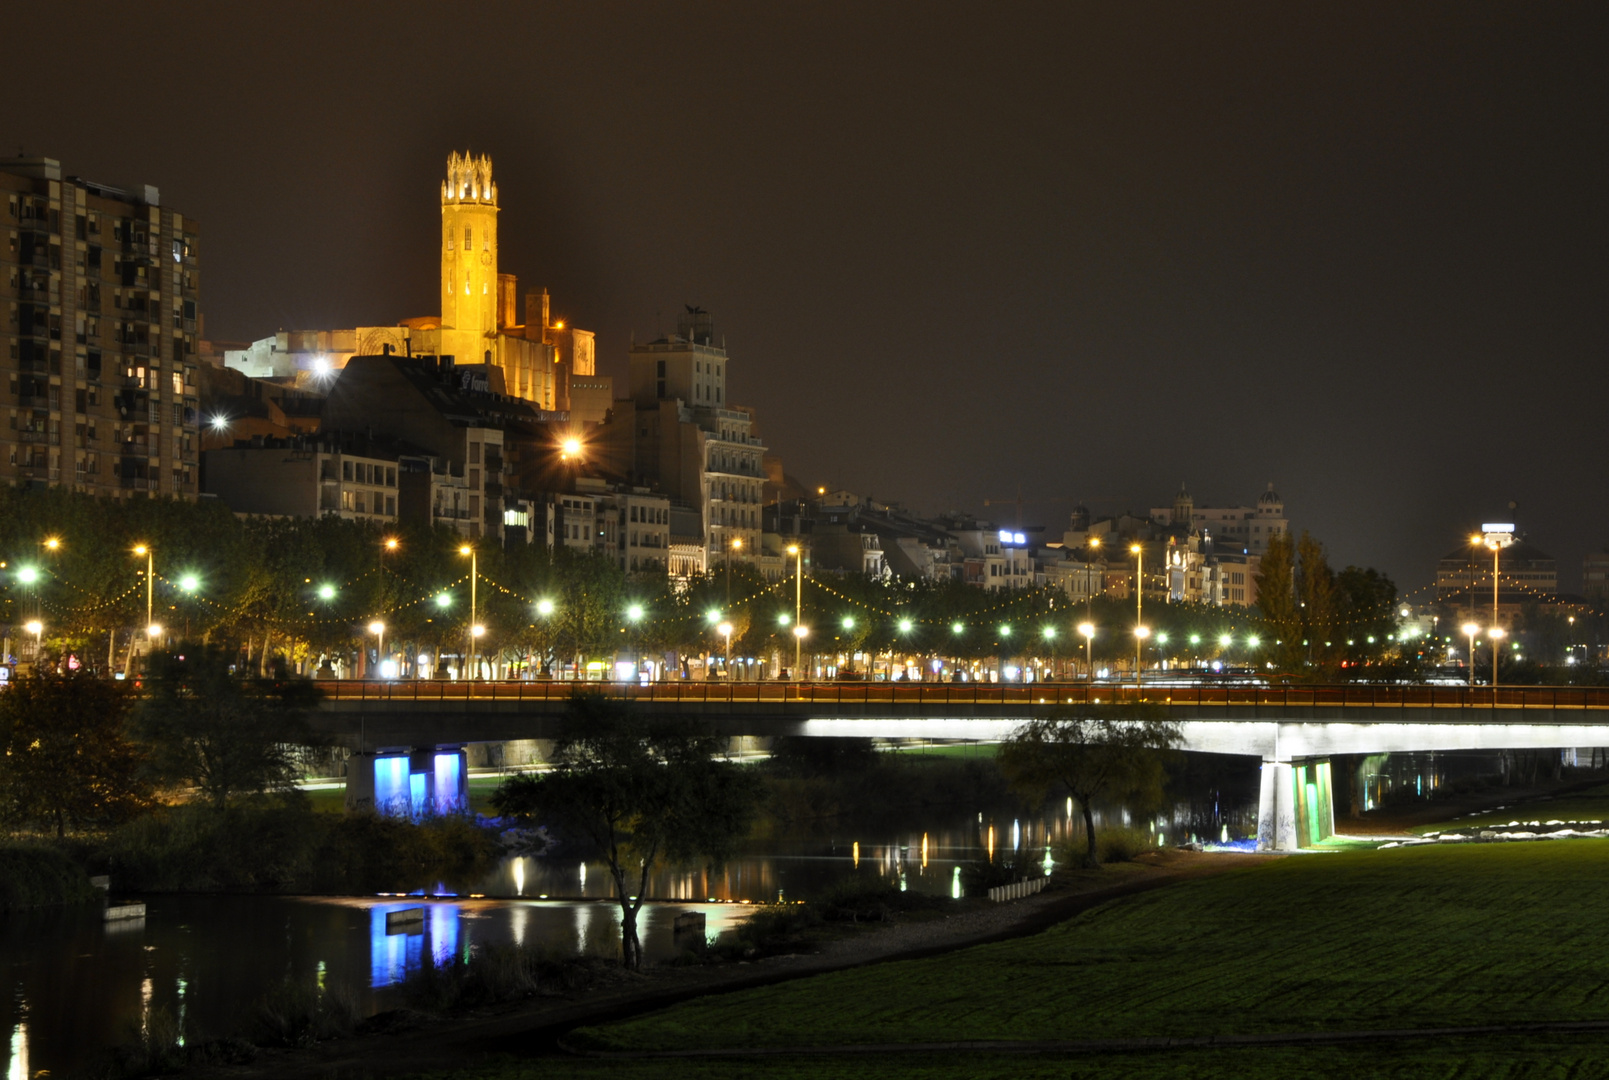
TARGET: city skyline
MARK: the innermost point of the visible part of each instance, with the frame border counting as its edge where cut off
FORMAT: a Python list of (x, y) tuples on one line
[(1352, 255)]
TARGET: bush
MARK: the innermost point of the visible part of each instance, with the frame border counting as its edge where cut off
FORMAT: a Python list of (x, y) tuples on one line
[(1122, 845), (981, 875), (196, 848), (497, 973), (33, 875), (301, 1013)]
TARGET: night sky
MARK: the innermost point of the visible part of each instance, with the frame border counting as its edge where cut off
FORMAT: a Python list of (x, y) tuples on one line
[(1089, 249)]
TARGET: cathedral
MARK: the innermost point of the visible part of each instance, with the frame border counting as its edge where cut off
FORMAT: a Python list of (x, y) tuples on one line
[(545, 362)]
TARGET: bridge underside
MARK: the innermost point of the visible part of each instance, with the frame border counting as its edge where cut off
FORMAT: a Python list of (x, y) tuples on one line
[(1295, 805)]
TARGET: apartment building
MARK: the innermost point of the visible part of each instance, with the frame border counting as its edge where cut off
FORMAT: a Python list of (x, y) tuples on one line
[(99, 287)]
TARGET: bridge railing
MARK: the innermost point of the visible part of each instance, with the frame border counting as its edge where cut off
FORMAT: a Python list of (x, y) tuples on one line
[(1295, 697)]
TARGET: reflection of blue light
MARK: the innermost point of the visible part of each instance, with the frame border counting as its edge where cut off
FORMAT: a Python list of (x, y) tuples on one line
[(392, 956), (390, 784), (417, 801), (443, 934), (449, 783)]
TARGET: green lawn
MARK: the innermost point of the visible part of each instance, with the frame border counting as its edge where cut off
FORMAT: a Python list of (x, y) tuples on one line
[(1416, 937), (1509, 1058), (1589, 805)]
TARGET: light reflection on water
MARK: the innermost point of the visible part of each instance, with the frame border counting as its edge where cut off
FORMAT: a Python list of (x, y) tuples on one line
[(204, 961)]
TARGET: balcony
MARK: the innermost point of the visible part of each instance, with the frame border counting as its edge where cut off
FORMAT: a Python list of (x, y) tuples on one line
[(137, 483)]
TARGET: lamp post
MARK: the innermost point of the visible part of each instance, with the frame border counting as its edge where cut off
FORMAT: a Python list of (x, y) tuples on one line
[(725, 630), (1470, 629), (735, 545), (475, 630), (799, 633), (1089, 579), (1139, 606), (37, 629), (1088, 630), (1496, 634), (797, 551), (152, 630), (377, 628), (634, 615), (1495, 536)]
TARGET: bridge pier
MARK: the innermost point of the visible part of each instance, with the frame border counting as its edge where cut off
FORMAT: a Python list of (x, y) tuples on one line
[(415, 784), (1295, 804)]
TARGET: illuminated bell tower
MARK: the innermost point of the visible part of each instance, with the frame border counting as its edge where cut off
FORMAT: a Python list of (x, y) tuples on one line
[(469, 260)]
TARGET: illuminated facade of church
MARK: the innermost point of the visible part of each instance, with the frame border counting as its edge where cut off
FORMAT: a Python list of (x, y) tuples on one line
[(546, 363)]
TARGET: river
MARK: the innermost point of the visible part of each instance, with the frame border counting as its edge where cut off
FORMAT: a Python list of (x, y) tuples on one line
[(77, 985)]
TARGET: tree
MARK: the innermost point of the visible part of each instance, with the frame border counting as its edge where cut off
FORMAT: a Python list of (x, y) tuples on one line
[(1316, 587), (1094, 752), (227, 735), (1276, 599), (643, 794), (64, 754)]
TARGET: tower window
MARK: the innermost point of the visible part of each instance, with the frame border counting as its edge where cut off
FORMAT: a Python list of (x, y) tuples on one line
[(469, 239)]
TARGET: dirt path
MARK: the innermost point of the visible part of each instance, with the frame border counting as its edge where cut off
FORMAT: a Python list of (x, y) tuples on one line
[(533, 1028)]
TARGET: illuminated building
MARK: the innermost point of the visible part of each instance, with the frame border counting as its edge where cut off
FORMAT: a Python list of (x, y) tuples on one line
[(1245, 527), (478, 324), (99, 339), (679, 432)]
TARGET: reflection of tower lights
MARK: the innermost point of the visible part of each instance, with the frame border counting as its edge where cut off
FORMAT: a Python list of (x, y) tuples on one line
[(519, 877), (991, 843), (955, 884), (924, 851), (1016, 835), (856, 851), (583, 877)]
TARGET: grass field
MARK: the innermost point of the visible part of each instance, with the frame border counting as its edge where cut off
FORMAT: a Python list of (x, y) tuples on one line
[(1511, 1058), (1591, 804), (1406, 938)]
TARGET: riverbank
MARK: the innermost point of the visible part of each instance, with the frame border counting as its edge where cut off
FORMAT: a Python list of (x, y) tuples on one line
[(1471, 961), (535, 1026)]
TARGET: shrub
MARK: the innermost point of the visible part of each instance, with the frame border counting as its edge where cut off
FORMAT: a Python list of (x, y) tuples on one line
[(196, 848), (299, 1012), (496, 973), (1122, 845), (33, 875)]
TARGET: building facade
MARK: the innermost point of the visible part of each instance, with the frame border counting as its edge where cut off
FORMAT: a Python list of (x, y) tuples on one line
[(100, 291)]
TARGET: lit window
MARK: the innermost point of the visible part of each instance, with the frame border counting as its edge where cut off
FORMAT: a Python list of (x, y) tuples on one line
[(469, 239)]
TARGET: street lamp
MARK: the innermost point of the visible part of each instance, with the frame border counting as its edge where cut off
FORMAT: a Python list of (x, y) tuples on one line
[(152, 630), (725, 630), (544, 607), (736, 545), (1496, 634), (475, 631), (1471, 630), (1139, 606), (799, 633), (1140, 634), (634, 615), (1088, 630), (797, 551), (1496, 537), (377, 628)]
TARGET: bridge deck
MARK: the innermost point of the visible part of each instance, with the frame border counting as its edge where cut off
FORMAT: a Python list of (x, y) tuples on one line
[(1295, 698)]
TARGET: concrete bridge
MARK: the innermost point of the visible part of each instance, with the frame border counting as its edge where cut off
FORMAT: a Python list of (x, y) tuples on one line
[(1294, 730)]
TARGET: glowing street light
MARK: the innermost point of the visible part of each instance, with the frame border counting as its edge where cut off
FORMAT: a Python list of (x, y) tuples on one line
[(1496, 537), (799, 634), (797, 551), (152, 630), (570, 448), (190, 583), (544, 607), (1140, 634), (326, 592), (377, 628), (28, 575), (475, 630), (1088, 630), (1471, 630), (444, 601), (1138, 551)]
